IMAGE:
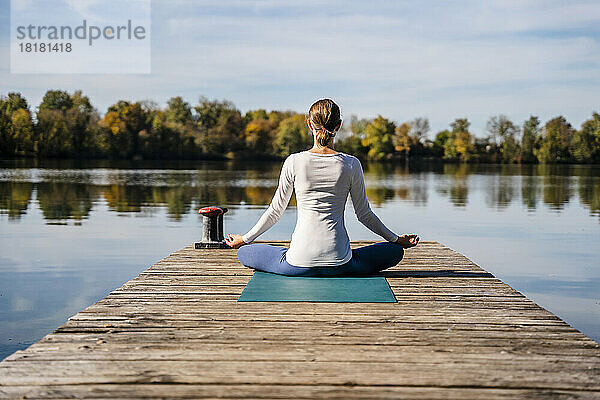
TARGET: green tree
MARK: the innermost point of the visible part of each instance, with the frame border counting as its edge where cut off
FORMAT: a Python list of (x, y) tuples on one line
[(439, 143), (460, 125), (56, 100), (510, 149), (504, 134), (22, 131), (53, 136), (64, 124), (220, 126), (171, 133), (350, 139), (6, 144), (585, 146), (277, 116), (253, 115), (162, 138), (178, 111), (351, 144), (82, 122), (556, 141), (16, 125), (531, 130), (292, 136), (379, 138)]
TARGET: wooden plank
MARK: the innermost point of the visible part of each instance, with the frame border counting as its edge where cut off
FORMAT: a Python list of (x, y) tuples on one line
[(177, 331), (229, 391), (578, 376)]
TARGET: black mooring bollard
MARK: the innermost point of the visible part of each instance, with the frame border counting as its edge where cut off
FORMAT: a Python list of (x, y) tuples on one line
[(212, 228)]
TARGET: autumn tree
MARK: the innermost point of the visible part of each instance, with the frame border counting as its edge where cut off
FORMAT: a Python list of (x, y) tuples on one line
[(260, 135), (122, 125), (402, 139), (408, 136), (67, 125), (459, 145), (260, 132)]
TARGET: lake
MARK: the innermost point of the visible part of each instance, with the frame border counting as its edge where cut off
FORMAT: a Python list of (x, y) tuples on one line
[(73, 231)]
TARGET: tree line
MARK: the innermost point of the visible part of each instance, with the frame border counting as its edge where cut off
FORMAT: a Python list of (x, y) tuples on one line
[(68, 125)]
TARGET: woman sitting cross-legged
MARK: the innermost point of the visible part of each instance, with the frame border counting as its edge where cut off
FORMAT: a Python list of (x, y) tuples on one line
[(322, 179)]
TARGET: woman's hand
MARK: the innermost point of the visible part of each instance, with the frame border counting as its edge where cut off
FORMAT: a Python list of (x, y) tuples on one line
[(407, 241), (234, 241)]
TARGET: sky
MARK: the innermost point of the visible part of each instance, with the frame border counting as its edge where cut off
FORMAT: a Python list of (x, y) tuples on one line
[(399, 59)]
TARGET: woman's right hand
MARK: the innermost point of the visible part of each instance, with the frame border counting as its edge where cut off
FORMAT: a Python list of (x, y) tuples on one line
[(407, 241)]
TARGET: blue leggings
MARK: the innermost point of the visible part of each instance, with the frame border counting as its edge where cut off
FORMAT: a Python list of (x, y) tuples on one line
[(366, 260)]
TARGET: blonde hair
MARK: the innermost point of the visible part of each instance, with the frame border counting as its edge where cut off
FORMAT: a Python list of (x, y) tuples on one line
[(325, 117)]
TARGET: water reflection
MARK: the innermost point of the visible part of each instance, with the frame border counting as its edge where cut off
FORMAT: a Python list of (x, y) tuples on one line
[(589, 193), (530, 191), (500, 192), (511, 219), (60, 200), (454, 184), (15, 198), (73, 193), (557, 191), (127, 198)]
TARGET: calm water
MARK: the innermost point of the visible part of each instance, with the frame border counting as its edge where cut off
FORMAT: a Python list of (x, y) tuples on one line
[(71, 233)]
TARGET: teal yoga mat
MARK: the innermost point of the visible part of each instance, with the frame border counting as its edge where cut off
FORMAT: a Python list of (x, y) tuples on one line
[(264, 286)]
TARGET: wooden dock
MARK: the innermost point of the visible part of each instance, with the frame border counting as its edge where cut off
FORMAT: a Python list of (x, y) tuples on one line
[(176, 331)]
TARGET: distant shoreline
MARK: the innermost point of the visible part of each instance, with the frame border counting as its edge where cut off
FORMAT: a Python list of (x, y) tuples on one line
[(66, 125)]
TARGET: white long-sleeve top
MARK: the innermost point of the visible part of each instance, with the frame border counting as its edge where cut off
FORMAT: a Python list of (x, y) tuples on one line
[(322, 183)]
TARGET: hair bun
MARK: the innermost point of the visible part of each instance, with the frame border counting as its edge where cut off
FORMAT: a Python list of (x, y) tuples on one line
[(325, 116)]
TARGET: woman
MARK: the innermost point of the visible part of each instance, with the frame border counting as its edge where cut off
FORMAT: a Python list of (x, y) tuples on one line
[(320, 246)]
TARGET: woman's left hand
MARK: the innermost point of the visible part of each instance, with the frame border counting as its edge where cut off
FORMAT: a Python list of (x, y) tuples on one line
[(234, 241), (408, 241)]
